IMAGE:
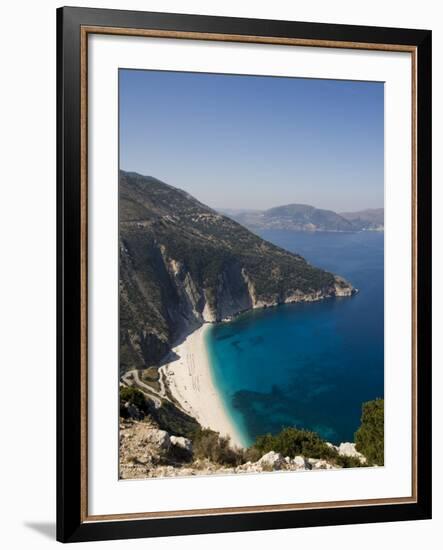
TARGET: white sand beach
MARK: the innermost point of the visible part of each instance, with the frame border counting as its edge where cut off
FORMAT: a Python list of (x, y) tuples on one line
[(190, 381)]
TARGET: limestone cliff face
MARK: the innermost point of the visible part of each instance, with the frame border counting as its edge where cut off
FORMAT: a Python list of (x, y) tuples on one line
[(342, 287), (182, 264)]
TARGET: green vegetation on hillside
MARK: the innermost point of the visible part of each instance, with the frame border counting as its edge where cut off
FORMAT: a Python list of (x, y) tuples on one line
[(177, 255), (210, 445), (294, 442), (369, 438), (289, 442), (168, 416), (175, 421), (134, 397)]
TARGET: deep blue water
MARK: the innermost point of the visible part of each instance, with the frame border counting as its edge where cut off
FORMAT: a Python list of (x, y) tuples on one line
[(308, 365)]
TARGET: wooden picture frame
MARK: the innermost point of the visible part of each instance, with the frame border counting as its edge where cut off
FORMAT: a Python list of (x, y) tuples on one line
[(74, 523)]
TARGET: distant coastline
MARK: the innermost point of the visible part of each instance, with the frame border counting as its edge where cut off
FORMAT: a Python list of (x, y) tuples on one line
[(304, 217)]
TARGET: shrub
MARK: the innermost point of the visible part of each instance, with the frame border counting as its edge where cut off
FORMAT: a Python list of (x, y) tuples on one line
[(369, 438), (209, 444), (175, 421), (135, 397), (150, 374), (150, 377), (252, 454), (292, 442), (348, 462)]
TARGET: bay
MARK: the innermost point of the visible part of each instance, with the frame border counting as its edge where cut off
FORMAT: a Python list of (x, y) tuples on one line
[(308, 365)]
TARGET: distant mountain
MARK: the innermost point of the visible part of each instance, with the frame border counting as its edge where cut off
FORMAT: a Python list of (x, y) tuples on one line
[(372, 219), (182, 264), (303, 217)]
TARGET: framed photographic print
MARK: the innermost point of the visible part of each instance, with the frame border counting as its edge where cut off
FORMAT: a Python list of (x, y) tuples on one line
[(244, 274)]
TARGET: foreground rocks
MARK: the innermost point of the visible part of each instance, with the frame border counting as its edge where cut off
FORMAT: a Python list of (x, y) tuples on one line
[(147, 451), (182, 443), (271, 461), (349, 449)]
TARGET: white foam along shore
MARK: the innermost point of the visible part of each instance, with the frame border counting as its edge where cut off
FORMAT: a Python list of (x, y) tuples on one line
[(191, 383)]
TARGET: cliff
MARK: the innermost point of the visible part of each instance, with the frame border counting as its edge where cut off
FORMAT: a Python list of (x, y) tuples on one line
[(182, 263)]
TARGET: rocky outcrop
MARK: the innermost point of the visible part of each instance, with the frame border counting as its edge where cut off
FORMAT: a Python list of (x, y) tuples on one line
[(158, 439), (147, 451), (320, 464), (182, 443), (272, 461), (349, 449), (298, 462), (342, 287)]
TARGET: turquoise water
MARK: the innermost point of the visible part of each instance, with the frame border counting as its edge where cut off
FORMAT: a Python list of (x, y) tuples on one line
[(307, 365)]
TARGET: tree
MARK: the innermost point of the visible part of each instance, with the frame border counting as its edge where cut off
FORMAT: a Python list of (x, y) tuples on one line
[(369, 438), (292, 442), (135, 397)]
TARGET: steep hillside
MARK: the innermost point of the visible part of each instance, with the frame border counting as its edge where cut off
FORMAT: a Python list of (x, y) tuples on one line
[(182, 263)]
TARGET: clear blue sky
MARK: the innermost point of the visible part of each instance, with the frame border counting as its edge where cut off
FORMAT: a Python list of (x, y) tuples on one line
[(255, 142)]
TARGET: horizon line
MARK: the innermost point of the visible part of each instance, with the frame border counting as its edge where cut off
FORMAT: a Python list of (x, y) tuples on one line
[(243, 209)]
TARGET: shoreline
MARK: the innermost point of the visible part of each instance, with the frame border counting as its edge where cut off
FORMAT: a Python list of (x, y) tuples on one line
[(190, 381)]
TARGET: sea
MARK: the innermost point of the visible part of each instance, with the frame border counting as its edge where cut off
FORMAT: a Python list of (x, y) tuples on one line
[(307, 365)]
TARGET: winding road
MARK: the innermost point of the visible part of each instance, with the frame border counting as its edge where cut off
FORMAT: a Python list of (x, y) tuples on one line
[(132, 378)]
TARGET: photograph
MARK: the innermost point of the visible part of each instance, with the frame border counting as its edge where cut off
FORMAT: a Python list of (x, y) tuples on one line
[(251, 274), (244, 274), (217, 288)]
